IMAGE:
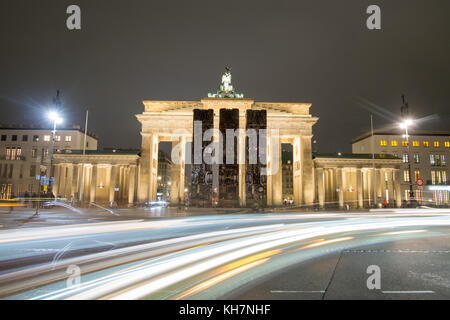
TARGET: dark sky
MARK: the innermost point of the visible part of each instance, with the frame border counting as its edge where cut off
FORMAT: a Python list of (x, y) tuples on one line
[(283, 51)]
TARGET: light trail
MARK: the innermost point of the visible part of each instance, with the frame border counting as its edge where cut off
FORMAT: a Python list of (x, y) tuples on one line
[(218, 254), (323, 242), (155, 277), (220, 278)]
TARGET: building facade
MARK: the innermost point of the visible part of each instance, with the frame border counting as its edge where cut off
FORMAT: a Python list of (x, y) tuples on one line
[(173, 121), (427, 155), (25, 152), (107, 176), (228, 150), (357, 180)]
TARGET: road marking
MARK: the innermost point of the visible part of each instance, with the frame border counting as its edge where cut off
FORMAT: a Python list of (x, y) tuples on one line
[(297, 291), (397, 251), (408, 292)]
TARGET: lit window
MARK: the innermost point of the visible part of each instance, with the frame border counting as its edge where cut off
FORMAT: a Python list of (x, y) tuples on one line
[(415, 143), (383, 143), (405, 158), (47, 138), (426, 144), (57, 138), (417, 174), (404, 143), (406, 175), (437, 144), (68, 138), (439, 177), (35, 138), (443, 161), (437, 158), (432, 160), (34, 153), (447, 144), (444, 177), (416, 158), (433, 177), (394, 143)]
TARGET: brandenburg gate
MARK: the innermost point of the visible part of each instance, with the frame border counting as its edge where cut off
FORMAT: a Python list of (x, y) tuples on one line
[(173, 121), (229, 149)]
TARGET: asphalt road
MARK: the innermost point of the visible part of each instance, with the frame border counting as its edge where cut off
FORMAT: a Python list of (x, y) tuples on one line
[(234, 256)]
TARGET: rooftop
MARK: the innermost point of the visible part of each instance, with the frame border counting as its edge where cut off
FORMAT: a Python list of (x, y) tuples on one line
[(106, 151), (400, 132), (353, 156), (44, 127)]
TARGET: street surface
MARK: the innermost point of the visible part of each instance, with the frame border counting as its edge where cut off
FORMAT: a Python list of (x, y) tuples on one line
[(68, 253)]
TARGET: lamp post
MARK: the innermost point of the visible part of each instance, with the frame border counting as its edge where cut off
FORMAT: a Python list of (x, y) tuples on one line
[(56, 119), (405, 124)]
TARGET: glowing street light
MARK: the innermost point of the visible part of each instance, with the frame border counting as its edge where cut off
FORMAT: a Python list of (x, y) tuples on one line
[(54, 116), (56, 119), (404, 125)]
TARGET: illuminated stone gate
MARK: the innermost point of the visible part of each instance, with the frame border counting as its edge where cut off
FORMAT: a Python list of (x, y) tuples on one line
[(173, 121)]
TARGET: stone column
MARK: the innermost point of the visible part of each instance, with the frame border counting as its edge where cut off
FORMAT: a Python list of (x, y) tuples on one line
[(69, 181), (378, 184), (144, 168), (320, 186), (113, 182), (307, 170), (269, 179), (80, 182), (132, 183), (215, 167), (359, 188), (383, 183), (62, 181), (177, 171), (277, 170), (87, 182), (332, 184), (398, 192), (57, 179), (274, 171), (120, 184), (126, 185), (75, 178), (93, 185), (296, 172), (390, 186), (340, 186), (366, 188), (241, 158), (153, 171)]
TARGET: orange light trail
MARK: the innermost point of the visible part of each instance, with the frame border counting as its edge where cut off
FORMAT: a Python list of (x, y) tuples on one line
[(323, 242), (209, 283)]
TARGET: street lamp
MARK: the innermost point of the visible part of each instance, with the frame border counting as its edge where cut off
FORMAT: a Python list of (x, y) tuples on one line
[(404, 125), (56, 119)]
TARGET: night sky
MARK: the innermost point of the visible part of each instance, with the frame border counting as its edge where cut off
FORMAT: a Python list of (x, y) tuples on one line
[(280, 51)]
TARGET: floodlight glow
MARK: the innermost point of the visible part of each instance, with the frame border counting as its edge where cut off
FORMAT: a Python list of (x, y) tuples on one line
[(54, 116), (406, 123)]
